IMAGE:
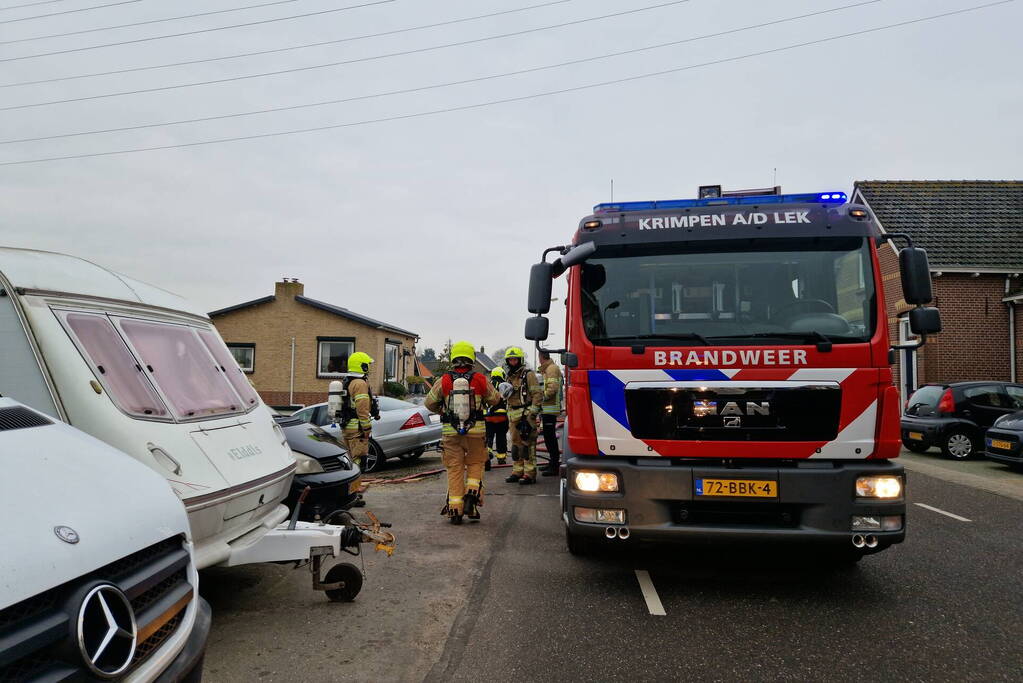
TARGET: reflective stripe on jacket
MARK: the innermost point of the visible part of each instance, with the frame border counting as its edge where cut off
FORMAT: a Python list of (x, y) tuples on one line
[(551, 388)]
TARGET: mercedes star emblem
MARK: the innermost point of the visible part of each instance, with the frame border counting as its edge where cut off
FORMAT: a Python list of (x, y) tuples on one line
[(106, 631), (66, 534)]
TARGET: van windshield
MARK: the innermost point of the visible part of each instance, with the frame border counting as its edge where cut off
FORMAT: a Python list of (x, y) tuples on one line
[(767, 291), (183, 369)]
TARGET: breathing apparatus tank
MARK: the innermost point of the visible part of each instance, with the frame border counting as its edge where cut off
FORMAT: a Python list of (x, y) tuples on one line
[(460, 401), (335, 400)]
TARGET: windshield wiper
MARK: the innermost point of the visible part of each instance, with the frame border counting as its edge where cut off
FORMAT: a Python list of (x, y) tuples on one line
[(823, 342), (667, 335)]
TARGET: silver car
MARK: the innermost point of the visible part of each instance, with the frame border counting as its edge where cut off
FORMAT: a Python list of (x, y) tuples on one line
[(404, 430)]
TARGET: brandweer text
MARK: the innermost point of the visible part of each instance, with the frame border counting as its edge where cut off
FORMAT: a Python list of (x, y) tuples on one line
[(725, 357)]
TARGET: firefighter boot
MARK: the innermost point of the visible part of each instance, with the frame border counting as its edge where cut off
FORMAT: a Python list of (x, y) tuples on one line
[(516, 466), (501, 457)]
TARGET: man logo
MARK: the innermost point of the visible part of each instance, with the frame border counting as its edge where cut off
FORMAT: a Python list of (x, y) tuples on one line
[(731, 409)]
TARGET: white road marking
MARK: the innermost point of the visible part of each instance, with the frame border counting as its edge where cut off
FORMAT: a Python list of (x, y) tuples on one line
[(943, 512), (646, 585)]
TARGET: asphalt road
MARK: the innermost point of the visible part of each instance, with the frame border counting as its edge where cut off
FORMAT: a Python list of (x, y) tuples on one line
[(502, 600)]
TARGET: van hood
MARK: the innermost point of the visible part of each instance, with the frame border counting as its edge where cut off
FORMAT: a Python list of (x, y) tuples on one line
[(58, 479)]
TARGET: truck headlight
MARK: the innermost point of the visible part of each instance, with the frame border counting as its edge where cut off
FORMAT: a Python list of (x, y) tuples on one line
[(592, 482), (307, 465), (886, 486)]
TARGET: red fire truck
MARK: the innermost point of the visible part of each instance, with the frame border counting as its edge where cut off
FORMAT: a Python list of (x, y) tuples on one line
[(729, 378)]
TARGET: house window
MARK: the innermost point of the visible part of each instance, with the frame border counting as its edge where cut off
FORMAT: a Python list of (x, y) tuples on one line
[(391, 353), (332, 359), (244, 356)]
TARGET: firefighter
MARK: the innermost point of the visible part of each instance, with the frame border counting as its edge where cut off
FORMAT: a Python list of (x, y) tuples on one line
[(357, 408), (497, 423), (459, 397), (550, 409), (523, 407)]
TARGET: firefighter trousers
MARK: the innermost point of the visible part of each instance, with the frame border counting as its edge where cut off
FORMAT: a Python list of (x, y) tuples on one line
[(497, 437), (524, 450), (357, 445), (463, 457)]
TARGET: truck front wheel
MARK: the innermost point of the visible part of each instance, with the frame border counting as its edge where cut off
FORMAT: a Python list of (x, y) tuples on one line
[(576, 545)]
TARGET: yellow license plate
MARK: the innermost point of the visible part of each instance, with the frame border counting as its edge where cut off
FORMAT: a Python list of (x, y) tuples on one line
[(355, 485), (1004, 445), (916, 436), (737, 488)]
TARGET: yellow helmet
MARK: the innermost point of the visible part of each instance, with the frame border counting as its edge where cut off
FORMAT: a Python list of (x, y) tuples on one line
[(497, 372), (359, 362), (463, 349), (514, 352)]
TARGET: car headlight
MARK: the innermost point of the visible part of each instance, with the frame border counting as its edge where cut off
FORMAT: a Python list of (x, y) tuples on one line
[(592, 482), (307, 465), (886, 486)]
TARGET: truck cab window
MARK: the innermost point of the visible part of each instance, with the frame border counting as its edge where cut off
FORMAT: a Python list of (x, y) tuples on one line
[(777, 286)]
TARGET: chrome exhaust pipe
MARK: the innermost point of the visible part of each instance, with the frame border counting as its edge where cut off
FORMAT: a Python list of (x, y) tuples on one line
[(611, 532), (624, 533), (858, 541), (870, 541)]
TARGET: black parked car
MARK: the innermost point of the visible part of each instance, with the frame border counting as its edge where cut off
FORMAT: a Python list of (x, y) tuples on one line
[(954, 417), (1004, 441), (324, 466)]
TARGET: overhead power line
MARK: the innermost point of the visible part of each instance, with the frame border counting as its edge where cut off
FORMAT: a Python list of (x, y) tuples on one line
[(67, 11), (196, 32), (30, 4), (357, 60), (509, 100), (477, 79), (293, 47), (143, 23)]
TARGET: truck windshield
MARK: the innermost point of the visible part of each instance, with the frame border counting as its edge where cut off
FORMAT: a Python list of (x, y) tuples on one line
[(770, 291)]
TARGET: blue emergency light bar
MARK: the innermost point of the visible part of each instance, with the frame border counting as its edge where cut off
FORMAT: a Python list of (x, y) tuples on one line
[(806, 198)]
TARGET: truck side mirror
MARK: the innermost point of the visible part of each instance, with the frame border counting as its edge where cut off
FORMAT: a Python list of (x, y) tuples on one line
[(925, 320), (569, 359), (541, 276), (537, 328), (916, 276), (578, 254)]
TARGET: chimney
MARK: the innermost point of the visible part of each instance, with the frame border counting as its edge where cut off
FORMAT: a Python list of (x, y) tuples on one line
[(288, 288), (481, 349)]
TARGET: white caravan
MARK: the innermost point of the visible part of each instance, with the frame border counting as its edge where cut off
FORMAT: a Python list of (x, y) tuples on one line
[(146, 371)]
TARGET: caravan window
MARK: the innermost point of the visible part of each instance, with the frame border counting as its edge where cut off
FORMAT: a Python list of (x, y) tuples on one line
[(180, 365), (235, 374), (120, 375)]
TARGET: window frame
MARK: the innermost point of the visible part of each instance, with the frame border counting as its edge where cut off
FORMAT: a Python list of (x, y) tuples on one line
[(244, 345), (319, 356), (397, 346)]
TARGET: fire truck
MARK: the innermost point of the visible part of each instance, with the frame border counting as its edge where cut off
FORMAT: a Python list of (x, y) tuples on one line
[(729, 379)]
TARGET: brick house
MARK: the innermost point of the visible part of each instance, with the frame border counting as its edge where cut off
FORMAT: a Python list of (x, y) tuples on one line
[(973, 233), (292, 346)]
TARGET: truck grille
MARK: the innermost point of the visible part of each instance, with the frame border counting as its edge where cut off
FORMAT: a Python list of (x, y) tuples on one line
[(808, 412), (35, 632)]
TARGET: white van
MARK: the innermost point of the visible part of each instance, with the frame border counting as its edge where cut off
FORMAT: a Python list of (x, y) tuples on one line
[(99, 581), (146, 371)]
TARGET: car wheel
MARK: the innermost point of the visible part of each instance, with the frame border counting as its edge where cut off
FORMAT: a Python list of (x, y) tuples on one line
[(345, 573), (915, 446), (413, 456), (958, 445), (374, 458)]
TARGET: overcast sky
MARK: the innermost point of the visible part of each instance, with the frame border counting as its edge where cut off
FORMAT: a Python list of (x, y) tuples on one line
[(431, 223)]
